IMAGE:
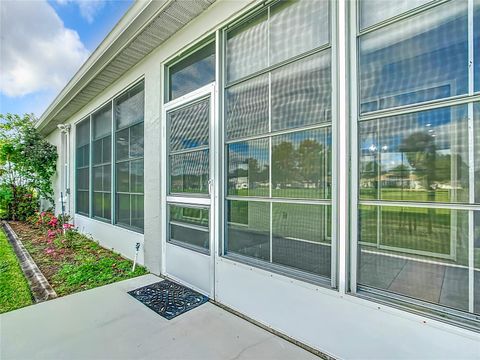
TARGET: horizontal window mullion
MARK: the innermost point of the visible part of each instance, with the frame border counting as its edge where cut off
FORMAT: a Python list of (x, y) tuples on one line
[(436, 205), (280, 132), (279, 200), (101, 165), (279, 65), (101, 138), (189, 150), (129, 126), (127, 160), (189, 225), (412, 108), (129, 193), (400, 17)]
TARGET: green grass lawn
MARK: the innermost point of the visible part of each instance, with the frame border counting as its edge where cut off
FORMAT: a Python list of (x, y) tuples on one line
[(14, 289)]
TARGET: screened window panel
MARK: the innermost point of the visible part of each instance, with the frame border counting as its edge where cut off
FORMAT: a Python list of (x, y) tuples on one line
[(248, 229), (422, 58), (297, 27), (181, 229), (302, 92), (368, 218), (434, 244), (123, 209), (247, 48), (82, 202), (419, 157), (375, 11), (136, 141), (189, 126), (83, 133), (301, 164), (82, 170), (98, 178), (193, 72), (476, 43), (476, 157), (137, 213), (122, 144), (97, 151), (83, 155), (101, 205), (102, 178), (129, 151), (136, 176), (247, 108), (83, 179), (102, 150), (129, 107), (189, 172), (248, 168), (123, 177), (301, 237), (102, 122)]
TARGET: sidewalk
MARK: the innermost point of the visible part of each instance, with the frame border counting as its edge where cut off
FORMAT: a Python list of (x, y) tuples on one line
[(107, 323)]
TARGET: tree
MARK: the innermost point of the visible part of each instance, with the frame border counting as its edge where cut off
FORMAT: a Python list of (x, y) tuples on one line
[(310, 155), (27, 163), (283, 163)]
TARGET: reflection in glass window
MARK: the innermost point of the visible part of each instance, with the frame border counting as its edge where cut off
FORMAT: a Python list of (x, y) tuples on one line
[(129, 149), (420, 253), (189, 126), (301, 164), (247, 50), (189, 226), (384, 9), (82, 166), (301, 92), (193, 72), (422, 58), (189, 172), (278, 137), (301, 237), (420, 156), (248, 229), (296, 27), (129, 107), (101, 167), (248, 169), (247, 108)]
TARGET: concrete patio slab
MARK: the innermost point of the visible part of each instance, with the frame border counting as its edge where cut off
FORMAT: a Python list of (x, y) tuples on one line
[(107, 323)]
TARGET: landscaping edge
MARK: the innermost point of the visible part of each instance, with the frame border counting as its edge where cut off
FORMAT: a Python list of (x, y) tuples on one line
[(39, 285)]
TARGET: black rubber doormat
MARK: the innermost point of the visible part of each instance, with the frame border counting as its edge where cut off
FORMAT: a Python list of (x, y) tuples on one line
[(168, 298)]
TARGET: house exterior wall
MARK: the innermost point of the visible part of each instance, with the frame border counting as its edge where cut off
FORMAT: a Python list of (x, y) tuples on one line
[(330, 320)]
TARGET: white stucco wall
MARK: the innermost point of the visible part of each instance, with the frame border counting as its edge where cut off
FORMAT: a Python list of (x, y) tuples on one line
[(329, 320)]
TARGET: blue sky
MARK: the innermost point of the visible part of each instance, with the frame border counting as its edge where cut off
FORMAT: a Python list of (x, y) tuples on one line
[(39, 58)]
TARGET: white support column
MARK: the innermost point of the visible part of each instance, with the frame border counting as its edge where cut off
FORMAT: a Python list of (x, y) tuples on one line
[(152, 155), (343, 174)]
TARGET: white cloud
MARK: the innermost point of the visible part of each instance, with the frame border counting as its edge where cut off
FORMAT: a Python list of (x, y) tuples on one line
[(37, 52), (88, 8)]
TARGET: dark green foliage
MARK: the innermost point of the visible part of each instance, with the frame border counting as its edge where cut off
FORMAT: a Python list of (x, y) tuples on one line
[(27, 164)]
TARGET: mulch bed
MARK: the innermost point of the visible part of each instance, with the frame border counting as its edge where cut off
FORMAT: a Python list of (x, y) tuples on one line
[(70, 270)]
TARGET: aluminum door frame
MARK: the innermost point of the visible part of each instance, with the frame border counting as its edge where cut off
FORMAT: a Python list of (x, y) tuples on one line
[(204, 92)]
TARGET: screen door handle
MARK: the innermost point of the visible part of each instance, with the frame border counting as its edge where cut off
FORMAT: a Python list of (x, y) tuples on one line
[(210, 185)]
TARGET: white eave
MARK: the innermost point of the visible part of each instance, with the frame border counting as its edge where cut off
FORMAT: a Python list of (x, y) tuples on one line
[(145, 26)]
